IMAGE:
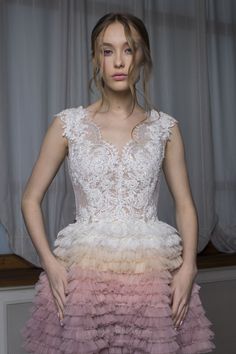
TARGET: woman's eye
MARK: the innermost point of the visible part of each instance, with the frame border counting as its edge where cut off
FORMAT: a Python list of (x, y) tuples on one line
[(107, 52), (128, 50)]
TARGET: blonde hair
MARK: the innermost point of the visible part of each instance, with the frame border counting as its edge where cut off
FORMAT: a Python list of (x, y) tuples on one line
[(128, 21)]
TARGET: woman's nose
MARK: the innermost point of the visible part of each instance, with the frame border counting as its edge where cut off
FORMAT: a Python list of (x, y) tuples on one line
[(118, 61)]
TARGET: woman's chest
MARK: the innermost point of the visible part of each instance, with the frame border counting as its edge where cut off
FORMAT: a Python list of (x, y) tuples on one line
[(91, 157)]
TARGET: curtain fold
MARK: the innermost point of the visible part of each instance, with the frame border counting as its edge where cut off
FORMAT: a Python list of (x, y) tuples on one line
[(222, 83), (45, 66)]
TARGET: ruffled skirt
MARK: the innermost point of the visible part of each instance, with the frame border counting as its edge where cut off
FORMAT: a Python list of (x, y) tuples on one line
[(119, 296)]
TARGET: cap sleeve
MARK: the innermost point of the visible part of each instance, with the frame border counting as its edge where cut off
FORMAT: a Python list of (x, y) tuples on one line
[(67, 117), (167, 122)]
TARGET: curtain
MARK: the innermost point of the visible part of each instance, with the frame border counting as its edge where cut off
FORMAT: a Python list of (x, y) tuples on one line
[(45, 65)]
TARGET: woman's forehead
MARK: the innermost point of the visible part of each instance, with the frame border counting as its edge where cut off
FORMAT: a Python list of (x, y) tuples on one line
[(115, 34)]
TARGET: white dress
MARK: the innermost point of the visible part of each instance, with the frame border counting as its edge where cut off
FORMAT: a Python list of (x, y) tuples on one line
[(119, 256)]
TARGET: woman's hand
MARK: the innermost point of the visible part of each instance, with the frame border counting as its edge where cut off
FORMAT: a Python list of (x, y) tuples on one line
[(57, 276), (181, 287)]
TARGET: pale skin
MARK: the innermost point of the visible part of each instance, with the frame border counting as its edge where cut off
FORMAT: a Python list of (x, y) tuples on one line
[(116, 57)]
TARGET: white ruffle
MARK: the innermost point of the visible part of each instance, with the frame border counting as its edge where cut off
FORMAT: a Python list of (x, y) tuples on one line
[(125, 234), (154, 242)]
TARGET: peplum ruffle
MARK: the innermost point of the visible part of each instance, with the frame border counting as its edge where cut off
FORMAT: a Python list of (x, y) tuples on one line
[(120, 246)]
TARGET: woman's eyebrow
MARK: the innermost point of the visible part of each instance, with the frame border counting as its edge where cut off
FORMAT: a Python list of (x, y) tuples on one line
[(111, 45)]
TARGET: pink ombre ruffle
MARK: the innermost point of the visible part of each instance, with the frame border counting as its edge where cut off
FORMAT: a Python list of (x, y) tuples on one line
[(113, 313)]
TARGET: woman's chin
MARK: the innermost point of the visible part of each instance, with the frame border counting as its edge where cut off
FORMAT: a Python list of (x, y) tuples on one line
[(118, 87)]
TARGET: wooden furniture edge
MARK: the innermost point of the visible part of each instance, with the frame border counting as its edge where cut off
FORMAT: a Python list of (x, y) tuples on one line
[(210, 257), (16, 271)]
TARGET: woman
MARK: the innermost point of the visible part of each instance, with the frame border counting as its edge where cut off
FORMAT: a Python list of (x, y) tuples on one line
[(119, 279)]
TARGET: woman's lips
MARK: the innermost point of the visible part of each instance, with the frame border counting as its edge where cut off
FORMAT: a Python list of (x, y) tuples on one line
[(119, 77)]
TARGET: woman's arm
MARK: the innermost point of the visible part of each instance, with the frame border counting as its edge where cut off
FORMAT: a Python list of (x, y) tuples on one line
[(52, 153), (174, 167)]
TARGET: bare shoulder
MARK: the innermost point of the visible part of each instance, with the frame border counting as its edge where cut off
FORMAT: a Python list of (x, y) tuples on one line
[(55, 134), (57, 127), (57, 123)]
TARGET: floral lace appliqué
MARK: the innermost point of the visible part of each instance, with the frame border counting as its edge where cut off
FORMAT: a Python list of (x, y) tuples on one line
[(112, 184)]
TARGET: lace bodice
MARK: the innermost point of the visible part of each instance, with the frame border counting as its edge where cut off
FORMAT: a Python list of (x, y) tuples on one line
[(109, 183)]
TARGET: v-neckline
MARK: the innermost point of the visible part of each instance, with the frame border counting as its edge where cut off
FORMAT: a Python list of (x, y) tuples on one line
[(118, 151)]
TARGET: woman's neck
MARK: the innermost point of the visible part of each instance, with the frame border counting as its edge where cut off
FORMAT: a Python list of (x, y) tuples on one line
[(119, 102)]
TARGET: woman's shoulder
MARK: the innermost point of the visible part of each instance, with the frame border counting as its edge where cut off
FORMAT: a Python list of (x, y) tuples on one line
[(165, 122), (164, 117), (69, 113), (68, 119), (76, 112)]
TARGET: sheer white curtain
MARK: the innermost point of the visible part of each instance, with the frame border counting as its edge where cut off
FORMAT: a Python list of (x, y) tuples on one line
[(45, 65), (222, 87)]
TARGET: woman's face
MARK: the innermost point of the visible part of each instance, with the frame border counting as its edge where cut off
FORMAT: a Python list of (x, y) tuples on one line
[(116, 57)]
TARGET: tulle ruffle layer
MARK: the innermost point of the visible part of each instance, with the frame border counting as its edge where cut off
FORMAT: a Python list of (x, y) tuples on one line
[(119, 294), (120, 246), (107, 312)]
